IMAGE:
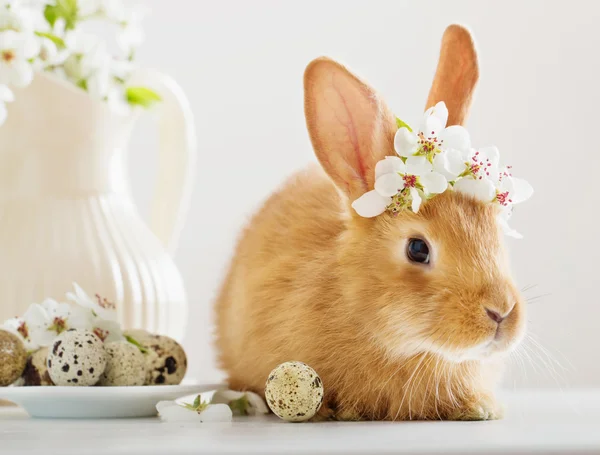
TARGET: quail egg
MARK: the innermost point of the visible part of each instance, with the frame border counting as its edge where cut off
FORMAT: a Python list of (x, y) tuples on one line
[(126, 365), (166, 362), (76, 358), (13, 358), (36, 370), (294, 391)]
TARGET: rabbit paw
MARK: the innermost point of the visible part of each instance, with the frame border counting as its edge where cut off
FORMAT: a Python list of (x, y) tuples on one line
[(325, 414), (483, 409)]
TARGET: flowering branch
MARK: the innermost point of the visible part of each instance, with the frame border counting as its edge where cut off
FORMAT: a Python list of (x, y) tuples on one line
[(50, 36)]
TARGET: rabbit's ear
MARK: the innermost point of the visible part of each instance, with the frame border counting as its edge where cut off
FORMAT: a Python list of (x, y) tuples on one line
[(351, 129), (456, 75)]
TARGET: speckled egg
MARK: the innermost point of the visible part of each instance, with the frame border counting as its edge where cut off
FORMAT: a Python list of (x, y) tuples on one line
[(13, 358), (126, 365), (36, 370), (166, 362), (76, 358), (294, 391)]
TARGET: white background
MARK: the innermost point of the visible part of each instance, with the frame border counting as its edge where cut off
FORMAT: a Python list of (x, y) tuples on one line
[(241, 65)]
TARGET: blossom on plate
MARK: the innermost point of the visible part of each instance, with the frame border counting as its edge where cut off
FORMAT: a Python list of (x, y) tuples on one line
[(65, 316), (198, 411), (15, 51), (107, 331), (31, 328), (400, 185), (242, 403), (101, 307)]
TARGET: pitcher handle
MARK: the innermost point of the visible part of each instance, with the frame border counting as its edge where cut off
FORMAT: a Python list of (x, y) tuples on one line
[(176, 157)]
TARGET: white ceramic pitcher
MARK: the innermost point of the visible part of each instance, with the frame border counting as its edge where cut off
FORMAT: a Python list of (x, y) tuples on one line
[(66, 213)]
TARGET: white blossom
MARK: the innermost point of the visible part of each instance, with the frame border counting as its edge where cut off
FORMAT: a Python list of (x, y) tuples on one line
[(171, 411), (245, 403), (15, 51), (399, 185), (101, 307)]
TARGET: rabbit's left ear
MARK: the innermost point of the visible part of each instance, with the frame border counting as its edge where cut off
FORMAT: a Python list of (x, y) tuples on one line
[(456, 75), (350, 126)]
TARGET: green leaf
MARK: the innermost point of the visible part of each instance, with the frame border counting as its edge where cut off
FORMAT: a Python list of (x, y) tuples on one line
[(136, 343), (240, 405), (141, 96), (197, 406), (63, 9), (55, 39), (82, 84), (402, 124)]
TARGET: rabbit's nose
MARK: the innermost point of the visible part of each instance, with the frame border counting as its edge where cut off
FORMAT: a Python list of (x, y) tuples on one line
[(495, 316)]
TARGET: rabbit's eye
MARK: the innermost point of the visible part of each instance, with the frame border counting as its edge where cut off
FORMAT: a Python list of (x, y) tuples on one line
[(418, 251)]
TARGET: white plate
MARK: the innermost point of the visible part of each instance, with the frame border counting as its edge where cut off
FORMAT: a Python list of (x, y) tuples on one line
[(97, 402)]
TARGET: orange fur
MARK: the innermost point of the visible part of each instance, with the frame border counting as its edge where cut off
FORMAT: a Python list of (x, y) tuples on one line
[(313, 281)]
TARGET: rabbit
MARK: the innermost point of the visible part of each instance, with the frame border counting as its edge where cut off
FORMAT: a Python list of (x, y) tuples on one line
[(391, 337)]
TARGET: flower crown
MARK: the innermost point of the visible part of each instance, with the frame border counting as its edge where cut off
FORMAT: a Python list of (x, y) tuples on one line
[(432, 160)]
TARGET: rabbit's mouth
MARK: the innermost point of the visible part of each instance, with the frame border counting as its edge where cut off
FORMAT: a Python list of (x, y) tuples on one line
[(499, 343)]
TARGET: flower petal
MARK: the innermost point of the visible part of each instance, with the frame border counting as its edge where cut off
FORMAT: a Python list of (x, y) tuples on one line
[(434, 182), (3, 113), (6, 94), (107, 330), (431, 126), (522, 190), (371, 204), (388, 165), (456, 137), (257, 403), (479, 189), (418, 165), (490, 153), (169, 411), (389, 184), (405, 142), (12, 325), (449, 163), (507, 229), (216, 413), (224, 396), (440, 111), (416, 200), (22, 74)]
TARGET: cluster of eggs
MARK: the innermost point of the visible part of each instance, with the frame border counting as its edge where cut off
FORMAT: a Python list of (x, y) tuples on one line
[(78, 357)]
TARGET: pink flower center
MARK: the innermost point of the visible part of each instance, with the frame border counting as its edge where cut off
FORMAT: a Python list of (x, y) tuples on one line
[(102, 334), (480, 167), (429, 146), (105, 303), (410, 181), (507, 173), (23, 330), (8, 56), (503, 198), (59, 325)]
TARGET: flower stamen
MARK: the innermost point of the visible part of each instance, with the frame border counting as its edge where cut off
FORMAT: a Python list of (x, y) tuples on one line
[(105, 303)]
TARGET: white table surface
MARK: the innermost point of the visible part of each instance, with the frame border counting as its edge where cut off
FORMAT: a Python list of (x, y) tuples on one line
[(537, 422)]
